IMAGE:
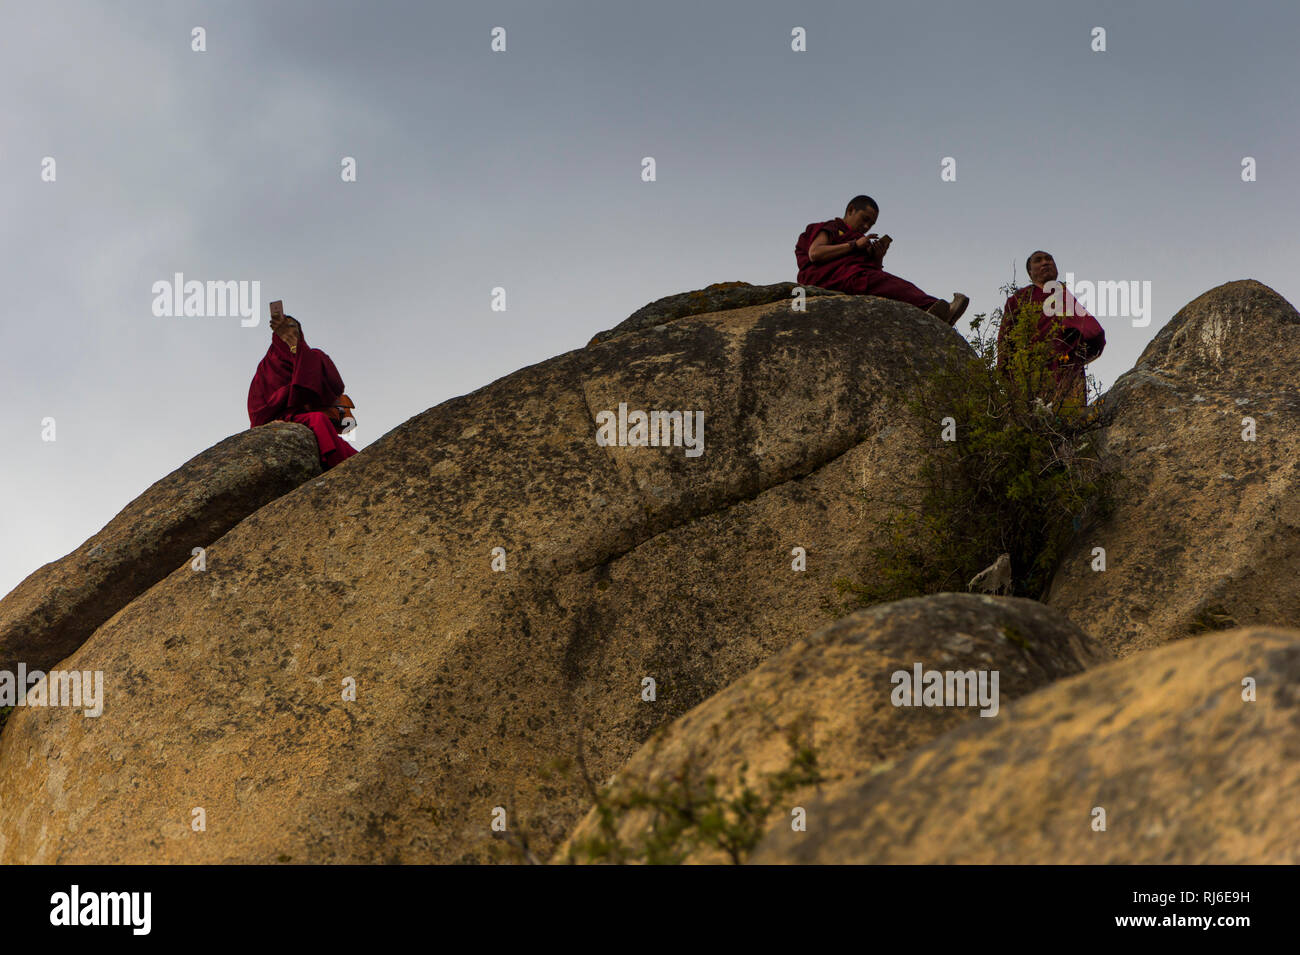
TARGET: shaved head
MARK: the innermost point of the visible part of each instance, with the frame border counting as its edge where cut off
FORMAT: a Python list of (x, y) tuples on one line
[(861, 202)]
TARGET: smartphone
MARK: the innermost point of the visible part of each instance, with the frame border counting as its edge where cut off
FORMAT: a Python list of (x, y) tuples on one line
[(277, 310)]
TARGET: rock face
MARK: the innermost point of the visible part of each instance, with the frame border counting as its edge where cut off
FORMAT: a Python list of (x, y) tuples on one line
[(718, 297), (837, 685), (57, 608), (1203, 533), (225, 689), (1186, 771)]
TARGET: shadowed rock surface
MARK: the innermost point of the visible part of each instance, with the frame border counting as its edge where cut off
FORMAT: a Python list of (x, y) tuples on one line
[(224, 688), (1187, 772), (717, 297), (59, 606), (1203, 535), (836, 685)]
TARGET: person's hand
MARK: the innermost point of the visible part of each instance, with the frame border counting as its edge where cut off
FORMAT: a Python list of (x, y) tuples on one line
[(864, 243), (878, 249), (288, 330)]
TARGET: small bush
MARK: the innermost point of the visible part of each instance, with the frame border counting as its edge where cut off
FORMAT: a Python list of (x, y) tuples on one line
[(1210, 619), (688, 813)]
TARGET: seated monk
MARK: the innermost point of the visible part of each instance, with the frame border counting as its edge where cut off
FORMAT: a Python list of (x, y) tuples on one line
[(840, 255), (297, 383), (1078, 338)]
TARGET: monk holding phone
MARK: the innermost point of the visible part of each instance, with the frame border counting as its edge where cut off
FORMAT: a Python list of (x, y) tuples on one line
[(295, 382), (841, 255)]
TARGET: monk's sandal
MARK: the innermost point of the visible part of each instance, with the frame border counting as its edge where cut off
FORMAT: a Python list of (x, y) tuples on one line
[(958, 306)]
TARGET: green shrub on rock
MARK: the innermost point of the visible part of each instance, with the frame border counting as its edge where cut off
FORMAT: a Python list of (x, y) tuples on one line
[(1007, 463)]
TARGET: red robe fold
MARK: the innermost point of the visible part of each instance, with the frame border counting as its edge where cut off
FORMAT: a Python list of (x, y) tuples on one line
[(853, 273), (291, 386), (836, 271)]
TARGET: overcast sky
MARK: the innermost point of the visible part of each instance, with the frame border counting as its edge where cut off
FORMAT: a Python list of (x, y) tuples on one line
[(523, 169)]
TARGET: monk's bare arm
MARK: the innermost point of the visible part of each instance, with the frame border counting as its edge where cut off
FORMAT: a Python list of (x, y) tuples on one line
[(821, 249)]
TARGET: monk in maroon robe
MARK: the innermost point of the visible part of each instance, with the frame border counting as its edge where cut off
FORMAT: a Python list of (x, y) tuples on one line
[(1078, 337), (840, 255), (297, 383)]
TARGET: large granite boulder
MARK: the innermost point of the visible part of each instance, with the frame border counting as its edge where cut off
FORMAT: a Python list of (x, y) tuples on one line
[(835, 691), (59, 606), (474, 668), (1203, 535), (1188, 754), (718, 297)]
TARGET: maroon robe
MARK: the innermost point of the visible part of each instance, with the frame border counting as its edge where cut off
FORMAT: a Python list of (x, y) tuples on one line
[(1082, 337), (853, 273), (295, 386)]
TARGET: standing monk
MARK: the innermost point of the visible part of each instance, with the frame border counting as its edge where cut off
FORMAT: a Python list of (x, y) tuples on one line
[(297, 383), (840, 255), (1076, 337)]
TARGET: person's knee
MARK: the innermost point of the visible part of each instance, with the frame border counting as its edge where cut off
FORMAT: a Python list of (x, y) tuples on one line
[(316, 419)]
